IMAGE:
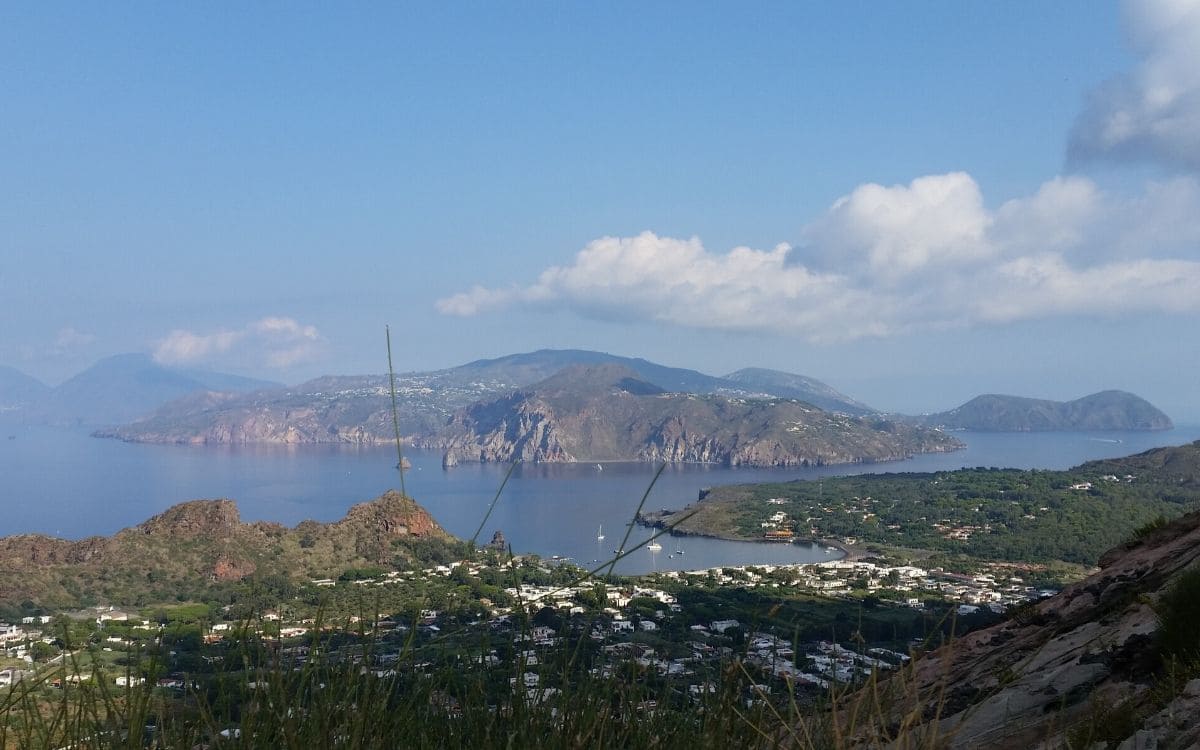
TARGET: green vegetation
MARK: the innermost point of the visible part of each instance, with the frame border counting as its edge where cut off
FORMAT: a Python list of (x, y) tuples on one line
[(431, 681), (1178, 614), (256, 699), (981, 514), (200, 551), (409, 638)]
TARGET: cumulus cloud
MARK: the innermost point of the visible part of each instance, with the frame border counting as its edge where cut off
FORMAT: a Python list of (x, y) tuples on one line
[(889, 259), (275, 342), (674, 281), (932, 254), (899, 230), (1152, 112)]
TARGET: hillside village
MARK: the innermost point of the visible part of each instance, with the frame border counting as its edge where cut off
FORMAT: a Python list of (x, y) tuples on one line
[(639, 623)]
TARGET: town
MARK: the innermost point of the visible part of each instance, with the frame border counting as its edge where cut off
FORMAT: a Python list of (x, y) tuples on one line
[(679, 626)]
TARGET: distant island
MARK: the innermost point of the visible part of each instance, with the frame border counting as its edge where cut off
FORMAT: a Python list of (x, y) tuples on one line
[(1106, 410), (435, 409), (607, 412), (114, 390), (356, 408), (133, 398)]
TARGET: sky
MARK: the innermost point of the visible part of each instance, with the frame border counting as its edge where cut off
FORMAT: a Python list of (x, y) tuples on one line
[(915, 202)]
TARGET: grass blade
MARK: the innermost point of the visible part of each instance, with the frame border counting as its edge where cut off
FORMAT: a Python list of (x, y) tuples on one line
[(395, 412)]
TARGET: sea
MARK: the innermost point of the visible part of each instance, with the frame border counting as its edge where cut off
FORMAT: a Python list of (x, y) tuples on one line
[(65, 483)]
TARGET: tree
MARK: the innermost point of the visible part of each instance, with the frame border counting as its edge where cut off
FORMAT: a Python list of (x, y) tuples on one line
[(41, 651)]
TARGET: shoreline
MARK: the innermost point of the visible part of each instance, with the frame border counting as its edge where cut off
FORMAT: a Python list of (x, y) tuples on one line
[(848, 552)]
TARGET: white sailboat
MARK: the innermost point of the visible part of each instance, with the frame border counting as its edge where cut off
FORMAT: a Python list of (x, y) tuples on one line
[(600, 533)]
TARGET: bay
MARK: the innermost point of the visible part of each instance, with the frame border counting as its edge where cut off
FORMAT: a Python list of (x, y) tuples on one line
[(67, 484)]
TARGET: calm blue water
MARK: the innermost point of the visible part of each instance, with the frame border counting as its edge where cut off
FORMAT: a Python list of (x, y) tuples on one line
[(68, 484)]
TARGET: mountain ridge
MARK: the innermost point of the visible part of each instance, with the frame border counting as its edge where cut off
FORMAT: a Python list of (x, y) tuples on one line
[(802, 387), (19, 390), (356, 409), (1103, 410), (608, 413), (121, 388)]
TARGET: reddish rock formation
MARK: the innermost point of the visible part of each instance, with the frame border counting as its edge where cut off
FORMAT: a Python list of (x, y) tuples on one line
[(200, 541), (229, 569), (209, 518)]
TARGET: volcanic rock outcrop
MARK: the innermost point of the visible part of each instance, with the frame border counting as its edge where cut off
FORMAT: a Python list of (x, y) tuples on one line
[(200, 542), (1060, 668)]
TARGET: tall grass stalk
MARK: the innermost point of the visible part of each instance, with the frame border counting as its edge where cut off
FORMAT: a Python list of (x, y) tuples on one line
[(395, 411), (491, 507), (621, 551)]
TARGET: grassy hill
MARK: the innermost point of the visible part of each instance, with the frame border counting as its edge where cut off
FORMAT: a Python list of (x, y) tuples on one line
[(193, 545)]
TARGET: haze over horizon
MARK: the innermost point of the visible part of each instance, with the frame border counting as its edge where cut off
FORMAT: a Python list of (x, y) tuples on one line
[(914, 204)]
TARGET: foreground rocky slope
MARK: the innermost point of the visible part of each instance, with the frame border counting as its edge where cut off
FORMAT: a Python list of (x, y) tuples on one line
[(608, 413), (1085, 668), (1106, 410), (194, 544)]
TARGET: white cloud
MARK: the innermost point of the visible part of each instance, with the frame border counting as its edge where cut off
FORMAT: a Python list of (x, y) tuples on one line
[(69, 340), (184, 346), (931, 254), (884, 260), (897, 231), (275, 342), (1152, 112)]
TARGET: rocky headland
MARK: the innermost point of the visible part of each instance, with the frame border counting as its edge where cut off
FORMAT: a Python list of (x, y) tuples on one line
[(608, 413), (357, 409), (200, 542)]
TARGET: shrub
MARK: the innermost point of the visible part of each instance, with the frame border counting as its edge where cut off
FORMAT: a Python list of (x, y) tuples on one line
[(1178, 614)]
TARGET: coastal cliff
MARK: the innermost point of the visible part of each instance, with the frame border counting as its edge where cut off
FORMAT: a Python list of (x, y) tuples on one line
[(608, 413), (357, 409)]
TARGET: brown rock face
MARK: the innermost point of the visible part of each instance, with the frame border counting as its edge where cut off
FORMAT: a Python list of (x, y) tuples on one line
[(1061, 661), (606, 413), (530, 435), (229, 569), (38, 550), (209, 518), (198, 542), (392, 516), (35, 548)]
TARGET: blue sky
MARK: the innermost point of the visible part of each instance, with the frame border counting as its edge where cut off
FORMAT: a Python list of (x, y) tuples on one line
[(933, 199)]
